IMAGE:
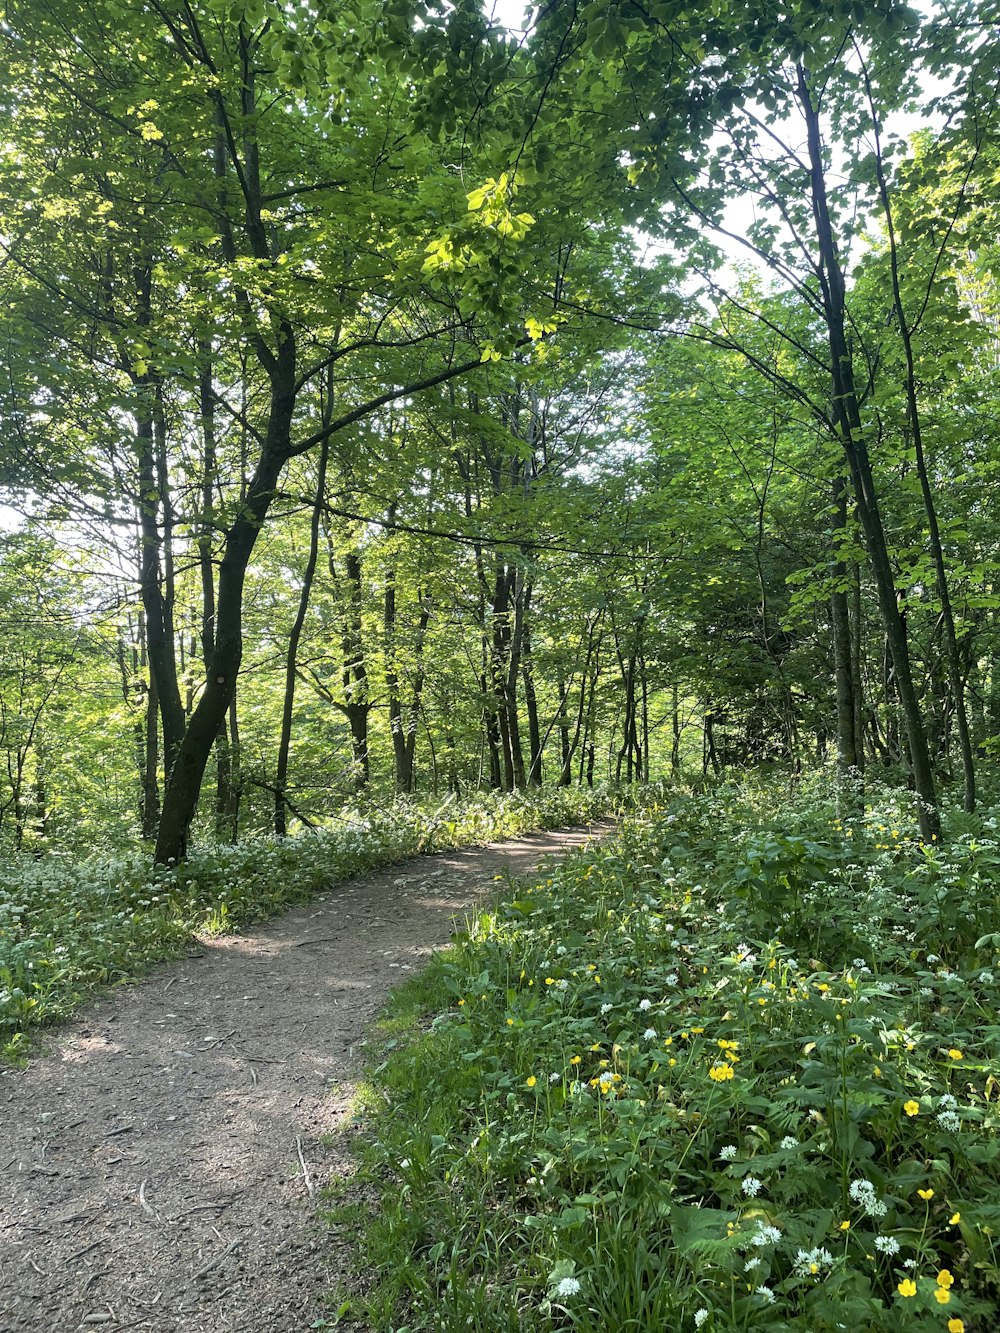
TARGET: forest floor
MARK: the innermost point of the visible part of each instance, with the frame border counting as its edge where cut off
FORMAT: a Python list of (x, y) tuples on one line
[(160, 1164)]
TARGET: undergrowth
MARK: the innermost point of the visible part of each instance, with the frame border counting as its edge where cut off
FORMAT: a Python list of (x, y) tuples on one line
[(734, 1069), (69, 925)]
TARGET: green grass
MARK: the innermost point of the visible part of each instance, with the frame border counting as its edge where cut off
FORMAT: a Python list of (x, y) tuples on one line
[(735, 1069), (68, 926)]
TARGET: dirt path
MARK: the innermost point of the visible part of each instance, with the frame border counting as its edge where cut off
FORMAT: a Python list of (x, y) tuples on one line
[(157, 1166)]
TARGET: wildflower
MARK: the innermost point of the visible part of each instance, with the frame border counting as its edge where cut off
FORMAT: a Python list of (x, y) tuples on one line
[(945, 1279), (752, 1263), (530, 1081), (956, 1326), (863, 1194), (789, 1142), (954, 1220), (719, 1073), (555, 1076), (845, 1225), (404, 1162), (986, 977), (645, 1005), (942, 1295), (766, 1294), (670, 979), (700, 1316), (926, 1195), (752, 1186), (933, 958), (887, 1244), (727, 1153), (907, 1287), (576, 1060), (565, 1287), (949, 1120), (810, 1262), (606, 1009), (765, 1235), (954, 1054), (650, 1034), (911, 1107)]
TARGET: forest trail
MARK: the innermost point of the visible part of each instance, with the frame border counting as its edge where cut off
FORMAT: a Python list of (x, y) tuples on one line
[(159, 1165)]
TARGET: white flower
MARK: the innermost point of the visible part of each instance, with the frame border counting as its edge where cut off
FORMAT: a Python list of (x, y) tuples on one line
[(933, 958), (765, 1235), (606, 1008), (700, 1316), (789, 1142), (948, 1102), (863, 1194), (887, 1244), (562, 984), (670, 979), (752, 1186), (644, 1005), (555, 1076), (404, 1163), (986, 977), (949, 1120), (810, 1262), (727, 1153), (752, 1263), (567, 1286), (650, 1034), (767, 1294)]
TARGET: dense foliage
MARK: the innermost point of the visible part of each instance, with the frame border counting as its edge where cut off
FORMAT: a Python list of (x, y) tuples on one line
[(732, 1069), (383, 405)]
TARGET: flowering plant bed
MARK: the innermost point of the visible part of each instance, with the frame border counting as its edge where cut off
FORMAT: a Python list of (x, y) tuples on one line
[(732, 1069)]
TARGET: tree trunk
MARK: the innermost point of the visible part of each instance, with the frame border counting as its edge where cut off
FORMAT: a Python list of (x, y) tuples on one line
[(847, 417)]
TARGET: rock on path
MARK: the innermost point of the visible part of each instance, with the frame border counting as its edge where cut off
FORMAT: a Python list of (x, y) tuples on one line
[(158, 1165)]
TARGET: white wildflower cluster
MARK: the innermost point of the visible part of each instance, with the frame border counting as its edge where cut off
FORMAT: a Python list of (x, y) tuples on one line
[(565, 1287), (745, 957), (765, 1235), (700, 1316), (645, 1006), (752, 1263), (766, 1295), (789, 1142), (727, 1153), (606, 1009), (809, 1263), (752, 1186), (947, 1116), (887, 1244), (986, 977), (863, 1194), (671, 979), (650, 1034)]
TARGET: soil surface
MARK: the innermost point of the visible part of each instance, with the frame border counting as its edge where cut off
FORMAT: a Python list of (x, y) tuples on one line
[(160, 1166)]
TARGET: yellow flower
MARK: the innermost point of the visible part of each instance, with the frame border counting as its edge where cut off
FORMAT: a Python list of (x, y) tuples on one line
[(953, 1054), (907, 1287), (719, 1073), (575, 1060), (510, 1022), (945, 1279), (460, 1003), (956, 1326), (942, 1295), (954, 1220), (911, 1107), (550, 981), (530, 1081), (925, 1194), (845, 1225)]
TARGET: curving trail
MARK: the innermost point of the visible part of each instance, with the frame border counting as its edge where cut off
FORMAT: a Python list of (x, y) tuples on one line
[(157, 1166)]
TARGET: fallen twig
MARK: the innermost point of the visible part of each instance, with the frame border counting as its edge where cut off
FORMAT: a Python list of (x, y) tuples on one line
[(214, 1263), (305, 1170), (142, 1200)]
